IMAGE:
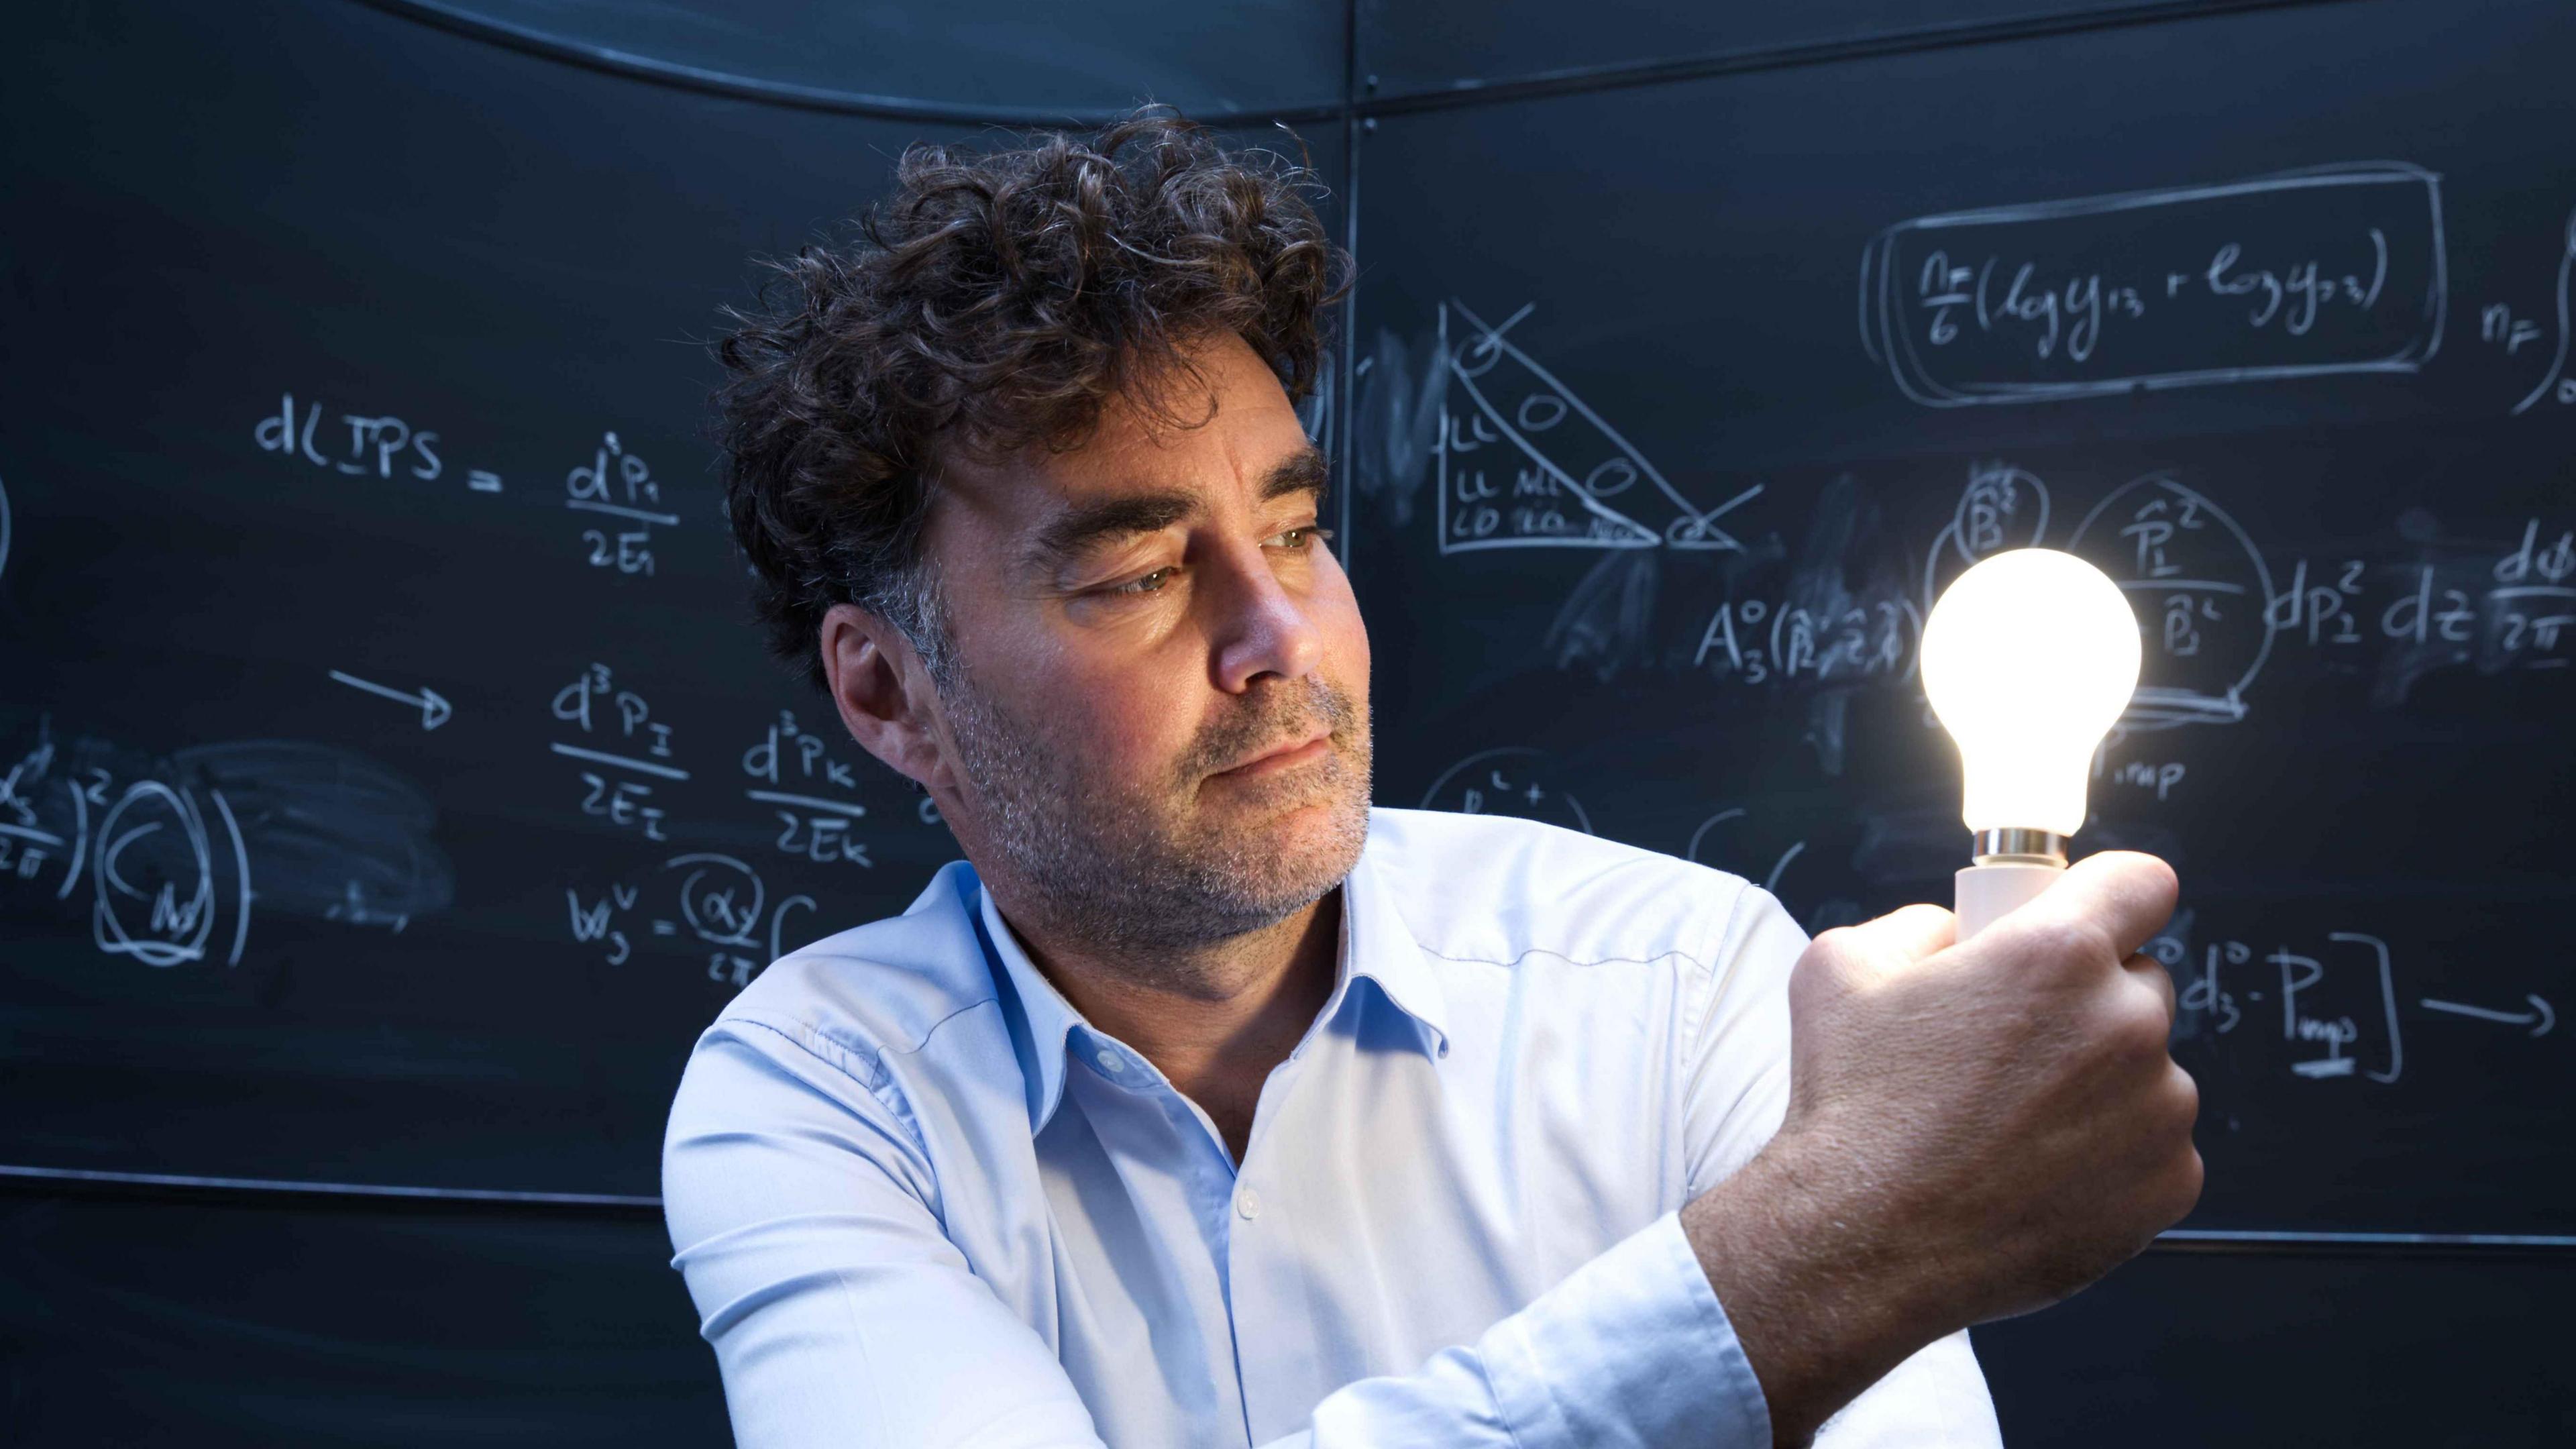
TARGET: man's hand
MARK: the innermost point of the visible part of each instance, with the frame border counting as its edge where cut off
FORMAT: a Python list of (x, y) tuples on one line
[(1973, 1131)]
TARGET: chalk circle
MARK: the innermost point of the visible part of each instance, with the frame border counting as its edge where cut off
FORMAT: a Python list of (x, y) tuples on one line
[(1539, 412), (138, 908), (708, 900), (1483, 770), (1990, 483), (1609, 478), (2157, 703), (1985, 482)]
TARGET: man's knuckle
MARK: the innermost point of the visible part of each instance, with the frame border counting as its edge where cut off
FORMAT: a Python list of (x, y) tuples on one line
[(2182, 1098), (2164, 887), (2089, 939), (2069, 944), (2182, 1186)]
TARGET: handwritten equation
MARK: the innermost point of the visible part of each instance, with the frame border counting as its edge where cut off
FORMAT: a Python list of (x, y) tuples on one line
[(2334, 270), (715, 903), (171, 858), (612, 489), (2331, 1009)]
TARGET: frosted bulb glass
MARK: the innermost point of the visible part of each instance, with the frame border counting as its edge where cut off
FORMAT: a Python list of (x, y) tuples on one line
[(2029, 658)]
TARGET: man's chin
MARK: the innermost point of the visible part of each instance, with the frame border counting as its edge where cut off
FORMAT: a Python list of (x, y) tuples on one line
[(1307, 847)]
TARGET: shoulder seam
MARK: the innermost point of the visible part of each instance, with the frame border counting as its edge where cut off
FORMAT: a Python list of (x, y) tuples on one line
[(918, 1047), (1569, 958), (1726, 928), (902, 1110)]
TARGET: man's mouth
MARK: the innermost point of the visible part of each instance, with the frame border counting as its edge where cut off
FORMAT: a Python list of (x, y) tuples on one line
[(1286, 756)]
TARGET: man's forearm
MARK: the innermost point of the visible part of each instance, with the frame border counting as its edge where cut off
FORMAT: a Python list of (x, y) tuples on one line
[(1821, 1305)]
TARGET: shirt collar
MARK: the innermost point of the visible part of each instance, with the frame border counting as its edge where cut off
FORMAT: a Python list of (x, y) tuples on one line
[(1038, 1015), (1375, 946)]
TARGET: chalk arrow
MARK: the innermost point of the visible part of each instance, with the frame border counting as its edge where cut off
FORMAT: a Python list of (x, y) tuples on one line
[(2539, 1013), (434, 709)]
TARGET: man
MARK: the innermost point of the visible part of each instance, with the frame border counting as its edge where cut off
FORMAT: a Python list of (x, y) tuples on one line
[(1204, 1104)]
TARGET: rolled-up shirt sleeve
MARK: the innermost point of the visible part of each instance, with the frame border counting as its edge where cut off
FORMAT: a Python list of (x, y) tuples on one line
[(805, 1219)]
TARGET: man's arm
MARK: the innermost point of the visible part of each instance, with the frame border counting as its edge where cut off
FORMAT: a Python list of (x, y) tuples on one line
[(806, 1223), (1972, 1132), (1735, 1085)]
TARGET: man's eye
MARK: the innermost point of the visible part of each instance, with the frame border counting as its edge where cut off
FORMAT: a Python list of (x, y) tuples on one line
[(1304, 538), (1147, 584)]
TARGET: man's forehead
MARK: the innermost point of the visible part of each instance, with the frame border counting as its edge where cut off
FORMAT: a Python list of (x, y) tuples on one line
[(1025, 489), (1237, 445)]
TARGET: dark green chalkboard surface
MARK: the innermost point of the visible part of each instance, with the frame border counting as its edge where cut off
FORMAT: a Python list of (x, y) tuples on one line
[(391, 783), (391, 786), (1677, 404)]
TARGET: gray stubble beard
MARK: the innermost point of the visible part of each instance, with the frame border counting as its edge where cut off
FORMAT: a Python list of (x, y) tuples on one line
[(1120, 874)]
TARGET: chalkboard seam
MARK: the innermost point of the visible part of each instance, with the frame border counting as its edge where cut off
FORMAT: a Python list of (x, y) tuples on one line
[(1619, 75), (384, 1198), (379, 1197), (1346, 409), (1456, 95), (531, 41)]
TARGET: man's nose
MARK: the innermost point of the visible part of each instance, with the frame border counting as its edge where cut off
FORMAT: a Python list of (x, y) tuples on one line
[(1261, 628)]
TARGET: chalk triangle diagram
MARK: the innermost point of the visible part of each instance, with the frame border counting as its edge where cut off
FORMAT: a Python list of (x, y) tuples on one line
[(1552, 496)]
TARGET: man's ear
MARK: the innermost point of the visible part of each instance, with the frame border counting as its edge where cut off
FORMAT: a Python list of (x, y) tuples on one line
[(883, 692)]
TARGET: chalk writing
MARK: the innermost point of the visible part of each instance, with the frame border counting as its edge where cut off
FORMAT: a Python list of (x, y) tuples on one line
[(2510, 608), (592, 703), (2309, 273), (2197, 583), (2500, 326), (617, 487), (1513, 780), (1757, 641), (2322, 1001), (719, 902), (434, 709), (364, 445), (819, 818), (167, 857), (1521, 461)]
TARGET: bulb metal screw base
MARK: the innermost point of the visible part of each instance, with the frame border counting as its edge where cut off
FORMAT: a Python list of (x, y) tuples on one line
[(2014, 846), (2012, 867)]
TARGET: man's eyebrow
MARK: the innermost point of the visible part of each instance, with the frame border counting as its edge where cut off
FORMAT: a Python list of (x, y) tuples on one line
[(1076, 529), (1070, 533), (1304, 472)]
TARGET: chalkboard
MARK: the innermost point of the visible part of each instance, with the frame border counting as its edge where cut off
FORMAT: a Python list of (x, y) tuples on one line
[(252, 1323), (980, 63), (1676, 404), (1414, 52), (392, 783)]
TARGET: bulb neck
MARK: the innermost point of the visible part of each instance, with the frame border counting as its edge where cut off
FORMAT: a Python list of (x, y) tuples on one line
[(2014, 845)]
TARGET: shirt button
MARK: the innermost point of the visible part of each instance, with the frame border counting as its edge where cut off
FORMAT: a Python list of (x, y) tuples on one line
[(1110, 1061), (1248, 1203)]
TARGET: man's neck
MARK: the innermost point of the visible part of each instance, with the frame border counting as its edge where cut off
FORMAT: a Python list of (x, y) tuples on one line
[(1213, 1019)]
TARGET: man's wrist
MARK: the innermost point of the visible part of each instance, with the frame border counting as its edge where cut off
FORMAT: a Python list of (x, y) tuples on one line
[(1821, 1290)]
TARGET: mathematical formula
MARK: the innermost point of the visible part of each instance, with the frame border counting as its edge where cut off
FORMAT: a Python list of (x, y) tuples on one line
[(2311, 273)]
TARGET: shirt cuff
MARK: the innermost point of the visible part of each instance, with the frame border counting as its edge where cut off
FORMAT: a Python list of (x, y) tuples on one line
[(1633, 1349)]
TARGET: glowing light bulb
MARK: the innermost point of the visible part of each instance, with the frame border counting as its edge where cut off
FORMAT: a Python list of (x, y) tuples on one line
[(2029, 657)]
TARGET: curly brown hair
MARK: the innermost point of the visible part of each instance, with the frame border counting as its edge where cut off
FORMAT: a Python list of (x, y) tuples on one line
[(994, 302)]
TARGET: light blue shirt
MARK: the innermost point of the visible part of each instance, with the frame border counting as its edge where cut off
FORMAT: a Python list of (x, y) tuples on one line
[(921, 1203)]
